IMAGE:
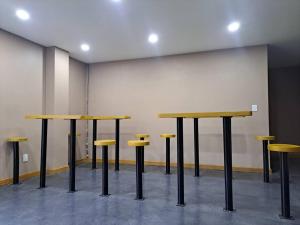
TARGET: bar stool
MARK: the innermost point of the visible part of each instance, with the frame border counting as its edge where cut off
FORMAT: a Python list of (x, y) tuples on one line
[(15, 142), (142, 137), (265, 140), (104, 144), (139, 145), (283, 150), (168, 137)]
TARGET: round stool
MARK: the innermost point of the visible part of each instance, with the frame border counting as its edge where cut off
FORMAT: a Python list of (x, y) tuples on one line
[(15, 142), (104, 144), (168, 137), (283, 150), (265, 140), (142, 137), (139, 144)]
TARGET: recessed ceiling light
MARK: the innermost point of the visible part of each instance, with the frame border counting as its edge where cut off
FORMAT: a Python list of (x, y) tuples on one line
[(234, 26), (22, 14), (85, 47), (153, 38), (116, 0)]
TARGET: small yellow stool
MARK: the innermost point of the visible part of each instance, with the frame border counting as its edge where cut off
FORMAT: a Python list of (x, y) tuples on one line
[(15, 142), (142, 137), (283, 150), (265, 140), (139, 145), (104, 144), (168, 137)]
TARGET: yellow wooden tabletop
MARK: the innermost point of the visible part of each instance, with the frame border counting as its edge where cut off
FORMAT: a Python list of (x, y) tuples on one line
[(283, 148), (104, 142), (205, 114), (17, 139), (265, 138), (105, 117), (55, 116)]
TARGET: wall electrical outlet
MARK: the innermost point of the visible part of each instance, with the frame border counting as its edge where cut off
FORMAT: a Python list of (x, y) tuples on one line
[(254, 108), (25, 158)]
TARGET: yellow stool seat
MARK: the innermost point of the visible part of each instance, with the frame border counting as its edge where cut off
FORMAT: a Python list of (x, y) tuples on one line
[(142, 135), (104, 142), (134, 143), (284, 148), (265, 138), (17, 139), (167, 135)]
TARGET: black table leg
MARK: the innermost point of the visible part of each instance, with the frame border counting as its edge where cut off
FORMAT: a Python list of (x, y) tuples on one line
[(168, 156), (43, 153), (94, 155), (117, 152), (266, 161), (16, 163), (143, 156), (105, 171), (180, 162), (139, 173), (227, 163), (285, 186), (196, 147), (72, 155)]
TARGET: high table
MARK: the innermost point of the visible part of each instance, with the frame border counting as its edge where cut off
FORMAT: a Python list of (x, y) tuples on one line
[(117, 136), (226, 116), (72, 146)]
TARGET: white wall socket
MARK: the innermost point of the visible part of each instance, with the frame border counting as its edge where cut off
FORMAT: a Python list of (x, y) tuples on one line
[(25, 158), (254, 108)]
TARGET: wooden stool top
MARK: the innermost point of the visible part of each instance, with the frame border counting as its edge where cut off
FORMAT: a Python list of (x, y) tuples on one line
[(106, 117), (104, 142), (17, 139), (142, 135), (54, 116), (283, 148), (265, 138), (206, 114), (167, 135), (135, 143)]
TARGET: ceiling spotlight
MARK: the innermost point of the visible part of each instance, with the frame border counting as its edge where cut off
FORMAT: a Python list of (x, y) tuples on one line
[(22, 14), (233, 27), (153, 38), (116, 0), (85, 47)]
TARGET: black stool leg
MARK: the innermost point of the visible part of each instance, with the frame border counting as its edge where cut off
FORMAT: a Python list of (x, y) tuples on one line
[(43, 153), (72, 154), (16, 163), (266, 161), (168, 156), (117, 153), (94, 155), (139, 174), (143, 157), (196, 147), (227, 163), (180, 163), (285, 187), (105, 171)]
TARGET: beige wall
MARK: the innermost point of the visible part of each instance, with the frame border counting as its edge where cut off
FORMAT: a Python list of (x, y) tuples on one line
[(225, 80), (21, 69)]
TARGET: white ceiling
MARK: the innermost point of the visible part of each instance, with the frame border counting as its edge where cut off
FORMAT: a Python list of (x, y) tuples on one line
[(119, 30)]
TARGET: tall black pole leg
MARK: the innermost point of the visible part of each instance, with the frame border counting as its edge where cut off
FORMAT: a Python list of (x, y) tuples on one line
[(43, 153), (139, 174), (227, 163), (117, 152), (94, 155), (285, 187), (16, 163), (168, 156), (180, 162), (72, 155), (143, 156), (105, 171), (266, 161), (196, 147)]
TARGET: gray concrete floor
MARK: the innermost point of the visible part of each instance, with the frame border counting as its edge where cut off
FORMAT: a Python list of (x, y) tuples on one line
[(255, 202)]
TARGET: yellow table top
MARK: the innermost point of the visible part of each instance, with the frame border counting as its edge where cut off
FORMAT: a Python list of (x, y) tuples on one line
[(104, 142), (105, 117), (17, 139), (63, 117), (283, 148), (205, 114)]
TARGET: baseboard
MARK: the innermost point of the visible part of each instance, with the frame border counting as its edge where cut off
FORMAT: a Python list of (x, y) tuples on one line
[(52, 171), (186, 165)]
